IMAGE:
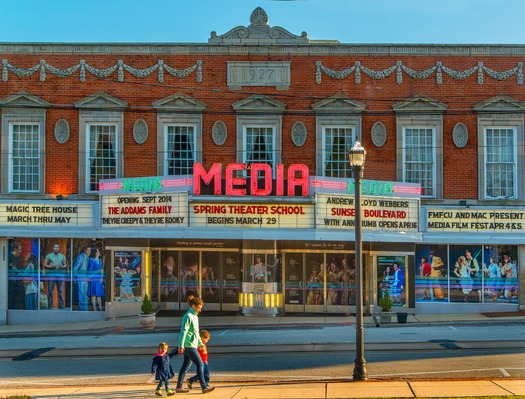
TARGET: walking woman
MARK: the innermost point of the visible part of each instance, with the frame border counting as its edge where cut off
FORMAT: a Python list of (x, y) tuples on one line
[(189, 341)]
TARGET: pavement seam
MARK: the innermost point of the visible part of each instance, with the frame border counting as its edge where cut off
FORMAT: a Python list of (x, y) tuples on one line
[(502, 387), (409, 384)]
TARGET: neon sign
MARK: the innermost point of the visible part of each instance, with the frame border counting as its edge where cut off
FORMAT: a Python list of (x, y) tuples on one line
[(297, 176)]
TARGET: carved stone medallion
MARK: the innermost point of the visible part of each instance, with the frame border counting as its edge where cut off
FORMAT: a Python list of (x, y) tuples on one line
[(460, 135), (299, 134), (62, 131), (140, 131), (378, 134), (219, 133)]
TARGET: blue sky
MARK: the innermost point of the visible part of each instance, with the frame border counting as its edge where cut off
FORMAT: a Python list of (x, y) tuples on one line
[(183, 21)]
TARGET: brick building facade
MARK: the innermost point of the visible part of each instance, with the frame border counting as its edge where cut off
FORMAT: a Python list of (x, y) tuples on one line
[(448, 119)]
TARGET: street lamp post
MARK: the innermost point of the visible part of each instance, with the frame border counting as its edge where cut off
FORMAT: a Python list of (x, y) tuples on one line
[(357, 157)]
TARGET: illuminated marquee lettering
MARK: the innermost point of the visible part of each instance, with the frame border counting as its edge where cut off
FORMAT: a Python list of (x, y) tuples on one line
[(144, 184), (297, 176)]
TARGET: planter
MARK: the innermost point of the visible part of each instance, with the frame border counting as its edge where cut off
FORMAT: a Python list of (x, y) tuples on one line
[(147, 320), (402, 317), (385, 317)]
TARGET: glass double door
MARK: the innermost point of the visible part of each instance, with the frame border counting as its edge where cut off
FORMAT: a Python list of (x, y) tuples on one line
[(319, 282), (215, 276)]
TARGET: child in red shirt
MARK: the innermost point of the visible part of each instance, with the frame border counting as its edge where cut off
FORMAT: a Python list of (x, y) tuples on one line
[(203, 351)]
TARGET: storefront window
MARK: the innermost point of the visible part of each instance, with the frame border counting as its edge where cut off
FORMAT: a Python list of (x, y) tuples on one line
[(23, 274), (169, 282), (190, 274), (127, 274), (42, 275), (500, 272), (467, 273), (88, 292), (391, 272)]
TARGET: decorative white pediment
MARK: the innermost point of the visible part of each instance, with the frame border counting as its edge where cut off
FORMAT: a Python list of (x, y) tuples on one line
[(500, 104), (23, 99), (338, 103), (179, 102), (419, 103), (102, 101), (258, 103), (259, 32)]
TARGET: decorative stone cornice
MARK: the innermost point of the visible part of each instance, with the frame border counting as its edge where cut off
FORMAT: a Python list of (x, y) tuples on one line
[(102, 101), (259, 103), (500, 104), (421, 104), (438, 69), (23, 99), (179, 102), (43, 67), (338, 103), (258, 32)]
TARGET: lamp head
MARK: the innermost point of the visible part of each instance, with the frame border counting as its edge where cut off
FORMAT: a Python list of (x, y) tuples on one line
[(357, 155)]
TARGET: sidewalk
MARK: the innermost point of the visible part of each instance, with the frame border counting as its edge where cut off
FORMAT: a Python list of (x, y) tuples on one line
[(167, 324), (271, 390), (308, 390)]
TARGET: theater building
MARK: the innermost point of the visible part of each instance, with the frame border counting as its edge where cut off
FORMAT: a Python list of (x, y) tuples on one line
[(220, 169)]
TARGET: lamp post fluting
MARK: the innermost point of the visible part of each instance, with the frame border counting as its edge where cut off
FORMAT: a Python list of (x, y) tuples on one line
[(357, 157)]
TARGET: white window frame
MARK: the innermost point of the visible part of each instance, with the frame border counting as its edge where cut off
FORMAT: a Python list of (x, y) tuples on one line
[(22, 116), (33, 176), (165, 119), (502, 121), (116, 151), (323, 121), (247, 151), (514, 162), (324, 148), (421, 121), (266, 121), (434, 156), (166, 145), (89, 117)]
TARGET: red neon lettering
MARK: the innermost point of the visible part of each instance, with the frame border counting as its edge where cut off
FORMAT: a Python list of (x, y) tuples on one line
[(214, 174), (301, 181), (266, 170), (298, 176), (235, 181)]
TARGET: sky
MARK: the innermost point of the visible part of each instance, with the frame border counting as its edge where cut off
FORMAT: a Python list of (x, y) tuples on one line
[(192, 21)]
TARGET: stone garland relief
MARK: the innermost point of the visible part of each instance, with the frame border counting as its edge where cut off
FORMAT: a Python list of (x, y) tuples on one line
[(439, 69), (219, 132), (140, 131), (62, 131), (298, 134), (460, 135), (378, 134), (43, 67)]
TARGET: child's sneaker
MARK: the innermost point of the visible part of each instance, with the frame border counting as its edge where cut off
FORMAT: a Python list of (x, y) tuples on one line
[(169, 392), (190, 384), (158, 392)]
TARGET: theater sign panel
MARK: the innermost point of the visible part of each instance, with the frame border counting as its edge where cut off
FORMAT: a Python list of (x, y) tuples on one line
[(476, 220), (378, 213)]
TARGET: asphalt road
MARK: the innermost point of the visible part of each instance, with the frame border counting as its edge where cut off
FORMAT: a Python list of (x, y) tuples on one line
[(326, 353)]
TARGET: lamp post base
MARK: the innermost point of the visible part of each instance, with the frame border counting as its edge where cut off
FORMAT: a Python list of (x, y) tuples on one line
[(360, 371)]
